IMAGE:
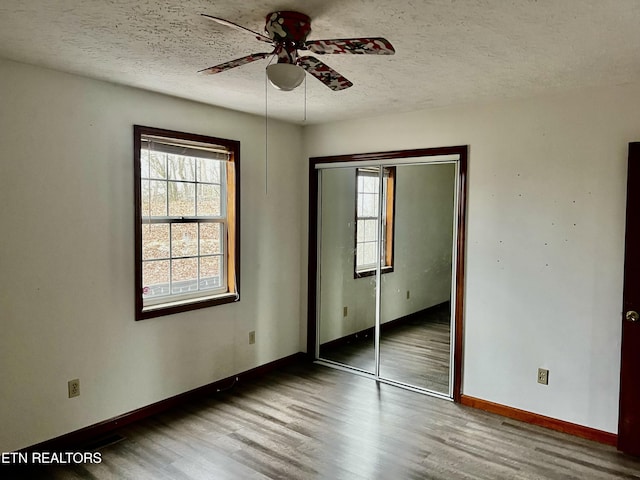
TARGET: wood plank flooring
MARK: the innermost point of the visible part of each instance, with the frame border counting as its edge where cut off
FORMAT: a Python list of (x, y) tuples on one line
[(312, 422), (415, 351)]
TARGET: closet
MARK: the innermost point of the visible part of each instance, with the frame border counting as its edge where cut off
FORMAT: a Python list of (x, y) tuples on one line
[(388, 265)]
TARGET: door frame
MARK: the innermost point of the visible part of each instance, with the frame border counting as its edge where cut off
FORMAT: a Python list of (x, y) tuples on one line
[(628, 418), (462, 152)]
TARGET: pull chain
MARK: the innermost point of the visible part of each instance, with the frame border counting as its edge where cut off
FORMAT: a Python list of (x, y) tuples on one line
[(305, 99), (266, 133)]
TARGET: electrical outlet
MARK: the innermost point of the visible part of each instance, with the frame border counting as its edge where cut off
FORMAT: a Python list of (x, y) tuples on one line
[(408, 294), (252, 337), (74, 388), (344, 311), (543, 376)]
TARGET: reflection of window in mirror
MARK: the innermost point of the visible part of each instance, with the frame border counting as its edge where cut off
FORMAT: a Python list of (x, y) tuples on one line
[(367, 213)]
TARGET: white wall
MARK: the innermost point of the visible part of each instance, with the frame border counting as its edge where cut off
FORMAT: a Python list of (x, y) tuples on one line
[(67, 253), (422, 249), (546, 208)]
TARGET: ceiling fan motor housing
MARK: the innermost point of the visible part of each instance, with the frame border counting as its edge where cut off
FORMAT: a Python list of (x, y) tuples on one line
[(288, 27)]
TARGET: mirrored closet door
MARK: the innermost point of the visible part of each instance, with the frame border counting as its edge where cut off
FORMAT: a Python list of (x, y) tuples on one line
[(388, 261), (347, 308), (416, 320)]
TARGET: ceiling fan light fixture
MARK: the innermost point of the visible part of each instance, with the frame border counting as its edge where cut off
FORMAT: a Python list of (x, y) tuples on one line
[(285, 76)]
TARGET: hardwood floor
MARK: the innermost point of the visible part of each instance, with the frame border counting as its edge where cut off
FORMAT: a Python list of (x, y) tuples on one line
[(313, 422), (414, 351)]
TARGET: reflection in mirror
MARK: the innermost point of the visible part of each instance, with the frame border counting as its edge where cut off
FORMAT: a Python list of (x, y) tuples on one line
[(375, 205), (346, 302), (402, 217), (416, 315)]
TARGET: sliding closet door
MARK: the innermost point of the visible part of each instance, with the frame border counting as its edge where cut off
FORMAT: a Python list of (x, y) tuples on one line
[(416, 279), (346, 299), (387, 263)]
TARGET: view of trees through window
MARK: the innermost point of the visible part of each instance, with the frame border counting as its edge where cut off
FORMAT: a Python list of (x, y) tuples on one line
[(183, 222), (187, 242)]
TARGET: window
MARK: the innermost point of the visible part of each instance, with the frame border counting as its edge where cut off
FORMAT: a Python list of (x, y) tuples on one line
[(368, 230), (187, 210)]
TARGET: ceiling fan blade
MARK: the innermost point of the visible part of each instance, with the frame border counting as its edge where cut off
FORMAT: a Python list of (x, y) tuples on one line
[(234, 63), (222, 21), (324, 73), (374, 45)]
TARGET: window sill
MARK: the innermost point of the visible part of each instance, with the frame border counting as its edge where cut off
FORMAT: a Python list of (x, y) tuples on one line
[(370, 273), (170, 308)]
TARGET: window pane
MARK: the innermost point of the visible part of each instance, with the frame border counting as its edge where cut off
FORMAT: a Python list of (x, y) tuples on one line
[(155, 241), (144, 198), (369, 253), (144, 163), (154, 198), (210, 238), (370, 230), (182, 199), (209, 200), (155, 278), (360, 254), (184, 275), (360, 231), (370, 184), (157, 165), (184, 240), (210, 272), (209, 170), (370, 205), (181, 168)]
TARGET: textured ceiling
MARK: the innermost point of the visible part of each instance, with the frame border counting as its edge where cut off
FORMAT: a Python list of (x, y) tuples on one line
[(447, 51)]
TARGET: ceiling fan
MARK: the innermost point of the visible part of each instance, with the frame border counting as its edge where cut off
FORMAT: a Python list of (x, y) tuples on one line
[(287, 32)]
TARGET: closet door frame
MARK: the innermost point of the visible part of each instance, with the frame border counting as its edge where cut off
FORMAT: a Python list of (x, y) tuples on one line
[(393, 158)]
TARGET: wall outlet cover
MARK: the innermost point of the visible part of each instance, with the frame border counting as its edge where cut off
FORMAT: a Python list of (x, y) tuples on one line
[(74, 388), (543, 376)]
